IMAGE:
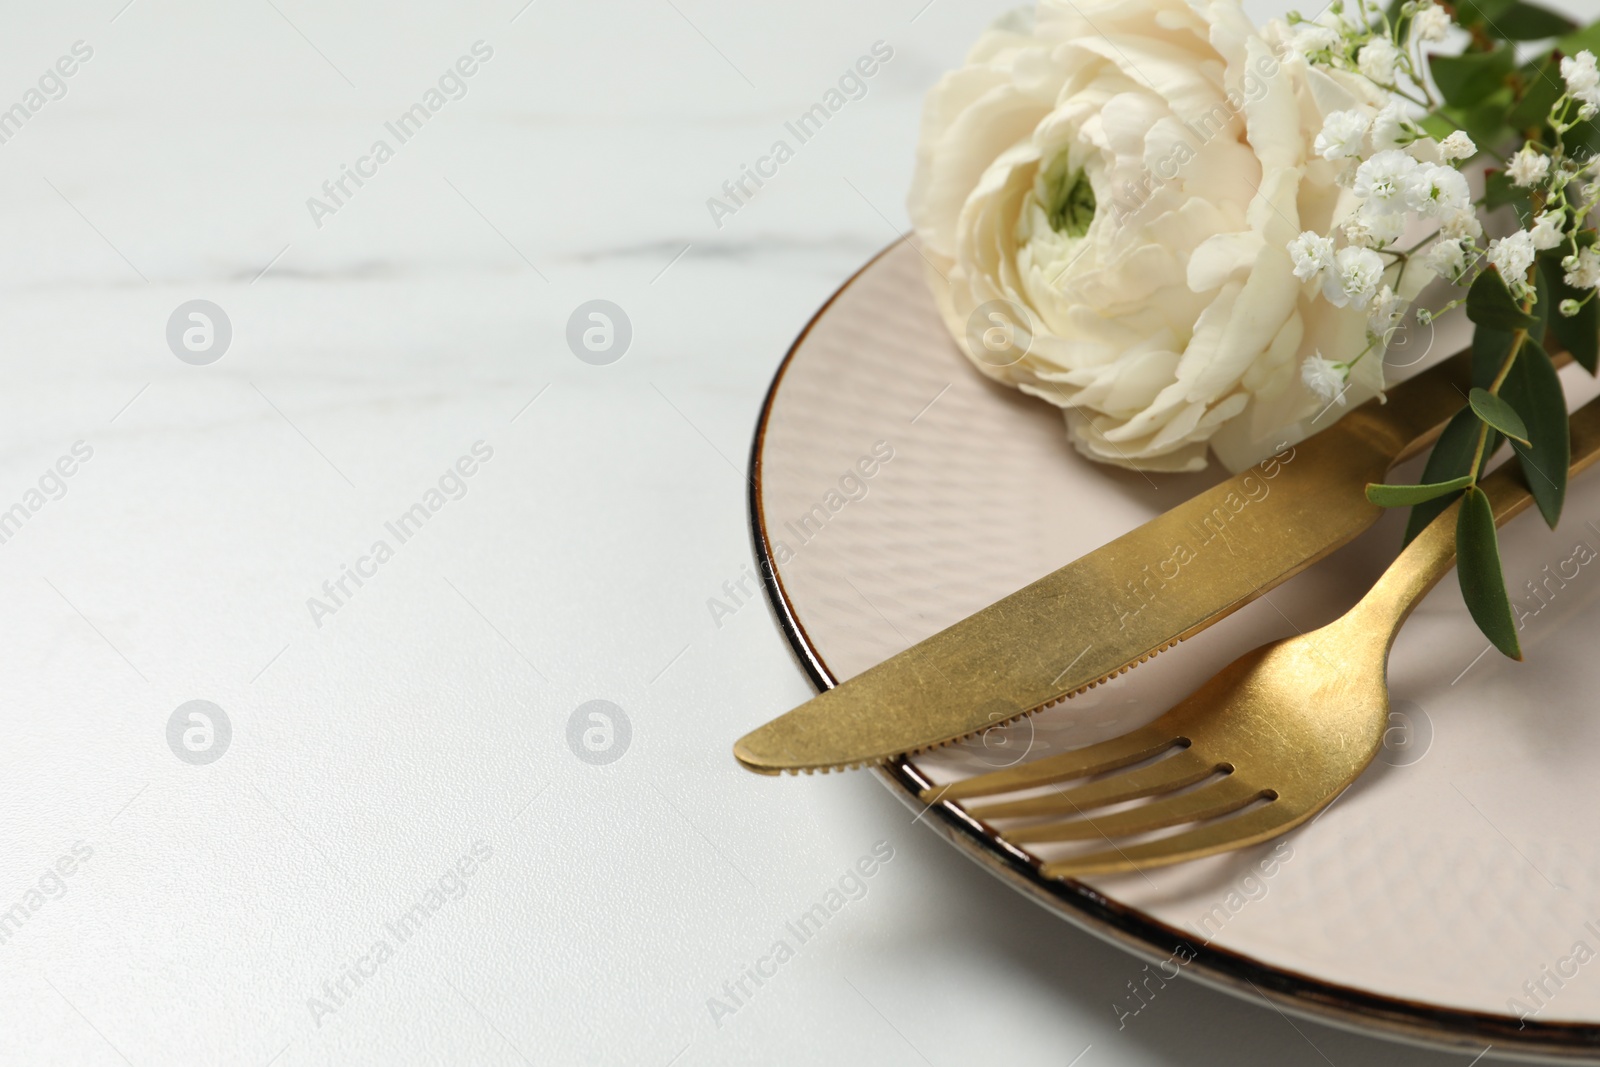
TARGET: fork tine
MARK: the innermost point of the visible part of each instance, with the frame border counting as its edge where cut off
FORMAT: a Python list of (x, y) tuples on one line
[(1184, 767), (1208, 802), (1106, 756), (1259, 824)]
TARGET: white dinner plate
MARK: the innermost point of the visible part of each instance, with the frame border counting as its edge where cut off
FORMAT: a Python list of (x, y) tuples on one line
[(1451, 897)]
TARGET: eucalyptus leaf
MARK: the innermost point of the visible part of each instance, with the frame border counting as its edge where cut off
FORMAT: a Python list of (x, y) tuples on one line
[(1469, 79), (1499, 414), (1399, 496), (1534, 389), (1483, 585), (1450, 459), (1485, 121), (1579, 335), (1489, 350), (1490, 303), (1499, 190), (1586, 38), (1583, 140), (1544, 88), (1528, 22), (1480, 12), (1436, 125)]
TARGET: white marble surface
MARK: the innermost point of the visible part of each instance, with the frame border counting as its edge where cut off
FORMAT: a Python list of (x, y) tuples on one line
[(428, 714)]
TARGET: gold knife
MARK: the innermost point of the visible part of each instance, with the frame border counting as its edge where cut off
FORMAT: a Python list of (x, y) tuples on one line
[(1122, 603)]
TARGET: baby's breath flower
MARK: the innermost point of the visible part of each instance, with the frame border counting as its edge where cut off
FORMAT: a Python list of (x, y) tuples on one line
[(1512, 256), (1384, 179), (1438, 191), (1457, 146), (1582, 77), (1377, 59), (1582, 269), (1463, 225), (1342, 134), (1569, 308), (1430, 23), (1385, 312), (1546, 232), (1373, 227), (1528, 167), (1563, 175), (1354, 278), (1448, 258), (1313, 41), (1324, 377), (1312, 254), (1391, 128)]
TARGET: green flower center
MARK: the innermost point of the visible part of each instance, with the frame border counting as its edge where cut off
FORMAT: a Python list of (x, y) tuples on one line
[(1067, 197)]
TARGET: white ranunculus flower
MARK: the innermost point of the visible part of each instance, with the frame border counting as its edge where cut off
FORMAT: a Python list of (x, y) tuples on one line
[(1131, 173)]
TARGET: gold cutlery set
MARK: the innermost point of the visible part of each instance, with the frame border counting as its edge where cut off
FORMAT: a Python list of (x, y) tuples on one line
[(1260, 748)]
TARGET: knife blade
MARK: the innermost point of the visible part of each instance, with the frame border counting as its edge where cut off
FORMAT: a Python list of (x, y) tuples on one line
[(1122, 603)]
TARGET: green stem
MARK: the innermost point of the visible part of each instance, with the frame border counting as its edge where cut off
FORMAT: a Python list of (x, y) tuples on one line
[(1517, 340)]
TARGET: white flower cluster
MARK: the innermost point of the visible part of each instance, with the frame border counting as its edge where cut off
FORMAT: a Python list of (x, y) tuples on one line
[(1581, 266), (1583, 269), (1402, 181), (1583, 83), (1325, 377), (1399, 177), (1394, 188), (1342, 37), (1553, 181)]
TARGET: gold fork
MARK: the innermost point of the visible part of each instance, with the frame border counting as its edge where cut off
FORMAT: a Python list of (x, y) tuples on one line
[(1263, 746)]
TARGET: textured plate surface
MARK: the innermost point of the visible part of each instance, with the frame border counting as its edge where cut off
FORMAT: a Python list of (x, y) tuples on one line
[(1454, 889)]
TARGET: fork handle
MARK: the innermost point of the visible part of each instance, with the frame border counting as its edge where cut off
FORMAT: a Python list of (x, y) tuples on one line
[(1429, 557)]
